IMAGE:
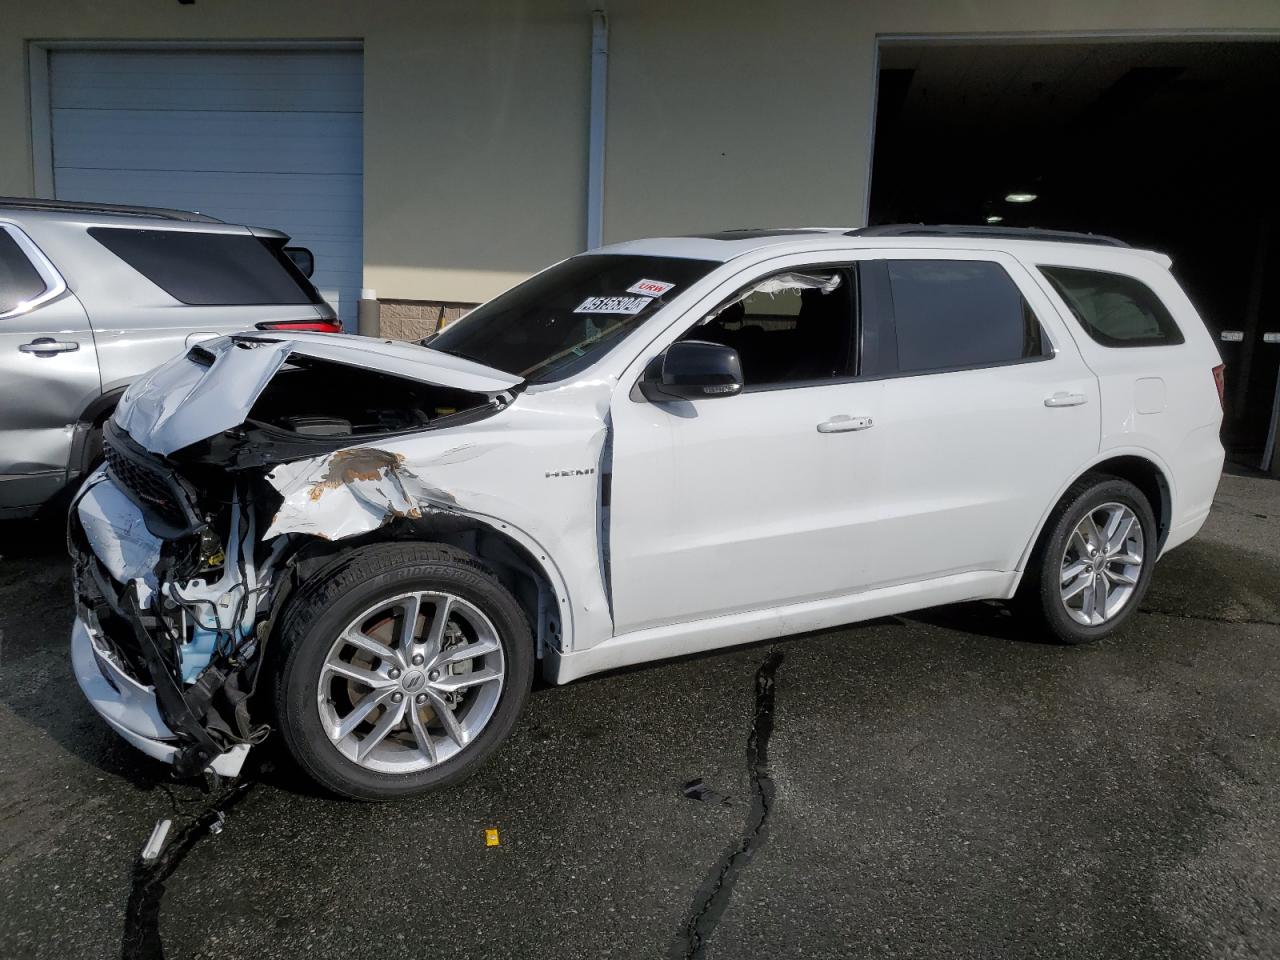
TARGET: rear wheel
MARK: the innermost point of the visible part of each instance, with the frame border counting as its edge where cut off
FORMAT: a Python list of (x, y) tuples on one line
[(404, 669), (1093, 566)]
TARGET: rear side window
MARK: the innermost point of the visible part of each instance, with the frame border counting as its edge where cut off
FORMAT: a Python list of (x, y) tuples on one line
[(211, 269), (1115, 310), (960, 313), (19, 279)]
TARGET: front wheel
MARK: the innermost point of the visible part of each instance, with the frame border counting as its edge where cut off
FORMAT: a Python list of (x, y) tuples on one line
[(404, 669), (1094, 564)]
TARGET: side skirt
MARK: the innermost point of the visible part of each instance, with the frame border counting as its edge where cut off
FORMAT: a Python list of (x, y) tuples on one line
[(696, 636)]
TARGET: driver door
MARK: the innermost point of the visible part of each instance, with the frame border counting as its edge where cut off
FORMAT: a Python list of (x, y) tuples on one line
[(730, 504)]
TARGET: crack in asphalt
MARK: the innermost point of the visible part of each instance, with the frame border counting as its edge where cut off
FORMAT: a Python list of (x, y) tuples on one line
[(714, 894), (141, 940)]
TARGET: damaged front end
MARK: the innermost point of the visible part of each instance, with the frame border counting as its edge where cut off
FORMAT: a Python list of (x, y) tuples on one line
[(188, 540)]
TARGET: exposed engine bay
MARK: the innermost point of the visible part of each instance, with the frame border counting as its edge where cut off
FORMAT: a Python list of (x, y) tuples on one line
[(180, 576)]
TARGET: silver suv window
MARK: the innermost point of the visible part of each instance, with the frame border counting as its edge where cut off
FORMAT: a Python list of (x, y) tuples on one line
[(19, 279), (27, 278), (211, 269)]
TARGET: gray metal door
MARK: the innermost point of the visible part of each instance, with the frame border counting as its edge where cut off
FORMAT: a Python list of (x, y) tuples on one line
[(260, 137)]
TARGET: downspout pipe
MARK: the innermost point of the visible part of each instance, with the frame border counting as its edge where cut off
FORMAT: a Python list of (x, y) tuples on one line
[(596, 128)]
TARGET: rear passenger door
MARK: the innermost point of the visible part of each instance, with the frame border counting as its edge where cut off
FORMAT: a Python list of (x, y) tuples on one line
[(48, 371), (990, 410)]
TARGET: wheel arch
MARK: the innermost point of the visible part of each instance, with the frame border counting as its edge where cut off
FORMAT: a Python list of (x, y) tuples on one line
[(519, 561), (92, 417), (1142, 468)]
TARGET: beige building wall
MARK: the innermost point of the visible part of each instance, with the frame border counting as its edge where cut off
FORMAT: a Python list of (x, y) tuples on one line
[(720, 113)]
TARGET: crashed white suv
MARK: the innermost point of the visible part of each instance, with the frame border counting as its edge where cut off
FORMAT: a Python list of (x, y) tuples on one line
[(656, 448)]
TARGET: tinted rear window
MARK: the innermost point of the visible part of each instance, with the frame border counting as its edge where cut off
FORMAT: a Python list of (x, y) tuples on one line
[(211, 269), (960, 313), (1115, 310), (19, 280)]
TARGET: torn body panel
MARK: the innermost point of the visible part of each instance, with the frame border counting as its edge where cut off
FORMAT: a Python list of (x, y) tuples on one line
[(531, 475)]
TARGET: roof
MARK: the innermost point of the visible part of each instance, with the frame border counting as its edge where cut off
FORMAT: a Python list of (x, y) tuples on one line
[(987, 232), (112, 209), (731, 244)]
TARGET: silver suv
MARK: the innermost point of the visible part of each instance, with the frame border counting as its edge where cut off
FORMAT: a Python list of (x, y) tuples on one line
[(94, 295)]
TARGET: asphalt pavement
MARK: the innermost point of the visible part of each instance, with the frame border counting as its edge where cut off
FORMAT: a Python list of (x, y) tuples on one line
[(938, 785)]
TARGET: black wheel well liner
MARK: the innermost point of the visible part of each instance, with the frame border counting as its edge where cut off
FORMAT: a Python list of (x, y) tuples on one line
[(518, 569), (1143, 473), (91, 418), (1147, 477)]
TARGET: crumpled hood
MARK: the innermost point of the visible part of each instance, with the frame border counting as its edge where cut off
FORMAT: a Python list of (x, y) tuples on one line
[(190, 398)]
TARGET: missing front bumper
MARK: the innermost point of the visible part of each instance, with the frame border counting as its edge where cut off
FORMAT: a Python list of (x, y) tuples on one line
[(129, 707)]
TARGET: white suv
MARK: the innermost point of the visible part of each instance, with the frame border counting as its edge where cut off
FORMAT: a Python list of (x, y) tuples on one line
[(652, 449)]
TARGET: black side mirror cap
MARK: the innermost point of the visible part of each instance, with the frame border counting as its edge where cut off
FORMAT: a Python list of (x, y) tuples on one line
[(303, 259), (692, 370)]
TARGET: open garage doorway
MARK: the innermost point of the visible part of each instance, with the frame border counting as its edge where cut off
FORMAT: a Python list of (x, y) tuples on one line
[(1165, 144)]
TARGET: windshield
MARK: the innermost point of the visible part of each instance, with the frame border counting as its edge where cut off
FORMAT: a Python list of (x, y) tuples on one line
[(569, 316)]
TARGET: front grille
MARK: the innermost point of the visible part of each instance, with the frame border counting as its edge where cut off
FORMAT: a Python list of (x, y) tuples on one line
[(149, 483), (98, 602)]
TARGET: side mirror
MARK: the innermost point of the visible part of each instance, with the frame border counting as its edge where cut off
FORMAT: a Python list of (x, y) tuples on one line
[(303, 259), (692, 370)]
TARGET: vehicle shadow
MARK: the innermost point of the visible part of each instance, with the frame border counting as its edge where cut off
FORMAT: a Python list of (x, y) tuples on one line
[(42, 536), (984, 618)]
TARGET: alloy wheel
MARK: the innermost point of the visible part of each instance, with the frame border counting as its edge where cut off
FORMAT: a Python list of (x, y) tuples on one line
[(411, 682), (1102, 564)]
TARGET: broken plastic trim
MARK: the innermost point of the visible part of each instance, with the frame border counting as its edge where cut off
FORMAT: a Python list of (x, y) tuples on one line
[(166, 499), (780, 283)]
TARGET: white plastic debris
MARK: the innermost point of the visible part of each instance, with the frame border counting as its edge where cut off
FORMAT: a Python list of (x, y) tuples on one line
[(155, 844)]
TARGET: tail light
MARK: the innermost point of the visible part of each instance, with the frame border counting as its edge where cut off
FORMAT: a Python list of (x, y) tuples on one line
[(310, 326), (1220, 381)]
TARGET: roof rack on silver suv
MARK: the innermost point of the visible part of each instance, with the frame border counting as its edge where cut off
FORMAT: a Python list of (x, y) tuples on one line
[(122, 209), (975, 230)]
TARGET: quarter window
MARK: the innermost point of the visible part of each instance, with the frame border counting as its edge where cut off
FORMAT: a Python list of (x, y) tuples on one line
[(1115, 310), (960, 313), (211, 269), (20, 282)]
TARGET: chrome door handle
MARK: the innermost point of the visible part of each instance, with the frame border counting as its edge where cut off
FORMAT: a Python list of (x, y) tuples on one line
[(1064, 399), (844, 424), (42, 345)]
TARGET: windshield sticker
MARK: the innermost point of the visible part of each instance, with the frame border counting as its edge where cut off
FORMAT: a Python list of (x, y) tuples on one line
[(650, 288), (626, 305)]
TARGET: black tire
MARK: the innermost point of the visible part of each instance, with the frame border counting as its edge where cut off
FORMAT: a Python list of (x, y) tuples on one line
[(1039, 597), (326, 605)]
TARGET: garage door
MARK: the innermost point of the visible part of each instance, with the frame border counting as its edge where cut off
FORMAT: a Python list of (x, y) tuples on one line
[(267, 138)]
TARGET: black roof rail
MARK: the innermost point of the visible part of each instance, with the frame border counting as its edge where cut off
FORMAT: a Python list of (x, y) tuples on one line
[(121, 209), (979, 232)]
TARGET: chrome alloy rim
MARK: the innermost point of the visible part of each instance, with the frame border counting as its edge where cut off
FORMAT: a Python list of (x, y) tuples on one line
[(411, 682), (1102, 564)]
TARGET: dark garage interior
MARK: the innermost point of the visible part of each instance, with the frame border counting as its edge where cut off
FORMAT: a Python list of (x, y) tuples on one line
[(1167, 145)]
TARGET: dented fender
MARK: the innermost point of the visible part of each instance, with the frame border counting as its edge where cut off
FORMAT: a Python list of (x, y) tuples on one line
[(349, 492), (532, 474)]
